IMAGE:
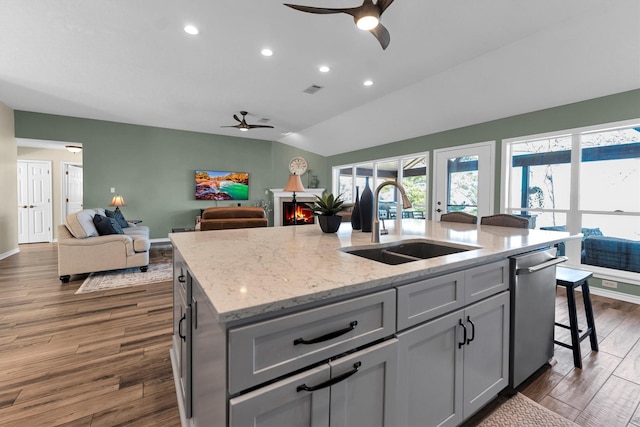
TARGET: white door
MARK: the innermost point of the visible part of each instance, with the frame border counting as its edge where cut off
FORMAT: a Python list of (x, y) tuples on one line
[(464, 179), (72, 199), (34, 202)]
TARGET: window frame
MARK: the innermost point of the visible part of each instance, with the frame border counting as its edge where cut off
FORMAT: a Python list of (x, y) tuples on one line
[(573, 214)]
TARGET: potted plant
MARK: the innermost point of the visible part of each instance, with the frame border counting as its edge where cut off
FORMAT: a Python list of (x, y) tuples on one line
[(326, 209)]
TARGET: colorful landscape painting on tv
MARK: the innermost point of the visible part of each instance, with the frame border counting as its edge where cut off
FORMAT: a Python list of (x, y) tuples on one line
[(214, 185)]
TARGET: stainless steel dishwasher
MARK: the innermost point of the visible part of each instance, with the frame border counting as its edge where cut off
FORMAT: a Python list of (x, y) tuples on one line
[(533, 292)]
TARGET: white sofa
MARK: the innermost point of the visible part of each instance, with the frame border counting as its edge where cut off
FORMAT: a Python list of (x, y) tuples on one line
[(82, 250)]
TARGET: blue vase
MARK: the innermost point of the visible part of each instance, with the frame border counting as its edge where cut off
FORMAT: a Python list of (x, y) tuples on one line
[(366, 208), (356, 221)]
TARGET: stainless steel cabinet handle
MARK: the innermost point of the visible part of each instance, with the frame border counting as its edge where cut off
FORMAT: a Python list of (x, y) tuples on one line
[(332, 381), (328, 336), (539, 267)]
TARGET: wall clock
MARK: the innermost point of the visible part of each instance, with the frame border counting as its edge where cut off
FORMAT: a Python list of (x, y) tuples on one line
[(298, 166)]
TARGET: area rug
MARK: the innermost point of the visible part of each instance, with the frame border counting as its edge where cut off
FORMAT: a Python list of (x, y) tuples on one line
[(520, 411), (106, 280)]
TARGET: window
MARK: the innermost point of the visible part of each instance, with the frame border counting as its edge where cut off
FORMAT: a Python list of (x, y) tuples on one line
[(410, 171), (583, 181)]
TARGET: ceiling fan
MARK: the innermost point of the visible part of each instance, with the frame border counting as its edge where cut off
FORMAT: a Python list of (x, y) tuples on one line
[(242, 125), (367, 17)]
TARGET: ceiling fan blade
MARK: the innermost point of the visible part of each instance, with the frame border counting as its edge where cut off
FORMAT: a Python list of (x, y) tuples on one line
[(259, 126), (234, 126), (320, 10), (236, 117), (382, 34), (383, 5)]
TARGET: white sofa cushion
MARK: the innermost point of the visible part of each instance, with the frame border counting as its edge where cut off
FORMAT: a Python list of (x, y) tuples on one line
[(80, 224)]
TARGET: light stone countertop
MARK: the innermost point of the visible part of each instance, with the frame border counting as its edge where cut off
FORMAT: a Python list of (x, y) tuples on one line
[(254, 271)]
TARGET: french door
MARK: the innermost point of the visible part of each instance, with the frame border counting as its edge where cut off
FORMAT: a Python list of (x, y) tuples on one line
[(464, 179), (34, 201)]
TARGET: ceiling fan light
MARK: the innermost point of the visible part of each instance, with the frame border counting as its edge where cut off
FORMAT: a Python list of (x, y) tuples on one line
[(243, 129), (367, 23)]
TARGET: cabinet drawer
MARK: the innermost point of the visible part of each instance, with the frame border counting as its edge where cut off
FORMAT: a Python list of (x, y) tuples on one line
[(486, 280), (426, 299), (270, 349)]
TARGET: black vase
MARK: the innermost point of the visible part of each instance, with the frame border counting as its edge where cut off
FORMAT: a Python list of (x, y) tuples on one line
[(356, 221), (366, 208), (330, 224)]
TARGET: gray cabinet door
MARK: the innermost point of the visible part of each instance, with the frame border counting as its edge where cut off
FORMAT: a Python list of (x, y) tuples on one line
[(430, 378), (208, 364), (367, 397), (486, 356), (284, 404)]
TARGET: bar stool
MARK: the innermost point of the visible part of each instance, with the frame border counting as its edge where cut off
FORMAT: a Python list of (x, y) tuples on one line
[(570, 279)]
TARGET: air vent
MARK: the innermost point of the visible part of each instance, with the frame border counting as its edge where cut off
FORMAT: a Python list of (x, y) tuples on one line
[(312, 89)]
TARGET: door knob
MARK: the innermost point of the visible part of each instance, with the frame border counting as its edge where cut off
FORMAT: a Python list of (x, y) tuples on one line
[(31, 206), (25, 206), (438, 210)]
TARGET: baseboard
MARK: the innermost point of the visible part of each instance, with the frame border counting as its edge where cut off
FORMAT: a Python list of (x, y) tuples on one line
[(163, 240), (9, 253), (614, 295)]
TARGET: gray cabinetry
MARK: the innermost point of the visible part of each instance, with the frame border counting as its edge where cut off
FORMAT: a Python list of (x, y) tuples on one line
[(446, 374), (354, 390), (267, 350), (182, 338), (426, 353)]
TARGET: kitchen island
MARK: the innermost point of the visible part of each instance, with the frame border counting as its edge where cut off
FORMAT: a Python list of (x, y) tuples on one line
[(280, 325)]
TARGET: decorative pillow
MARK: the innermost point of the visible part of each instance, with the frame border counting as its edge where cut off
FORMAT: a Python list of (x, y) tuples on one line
[(590, 232), (118, 217), (106, 225), (80, 224)]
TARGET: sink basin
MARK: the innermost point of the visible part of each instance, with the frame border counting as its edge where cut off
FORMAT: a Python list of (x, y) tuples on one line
[(405, 251)]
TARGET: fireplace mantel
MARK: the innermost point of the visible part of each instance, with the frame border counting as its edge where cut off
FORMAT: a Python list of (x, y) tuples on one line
[(279, 196)]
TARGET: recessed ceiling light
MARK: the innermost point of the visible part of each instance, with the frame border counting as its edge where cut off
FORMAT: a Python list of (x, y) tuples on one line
[(368, 82), (190, 29), (266, 52), (324, 69)]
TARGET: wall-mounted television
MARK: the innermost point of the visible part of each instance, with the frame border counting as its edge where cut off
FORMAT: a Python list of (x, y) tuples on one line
[(216, 185)]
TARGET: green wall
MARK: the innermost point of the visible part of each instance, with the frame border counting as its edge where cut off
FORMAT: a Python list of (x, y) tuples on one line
[(153, 167), (618, 107)]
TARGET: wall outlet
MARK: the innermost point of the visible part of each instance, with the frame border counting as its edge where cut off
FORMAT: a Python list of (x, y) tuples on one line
[(113, 190), (609, 284)]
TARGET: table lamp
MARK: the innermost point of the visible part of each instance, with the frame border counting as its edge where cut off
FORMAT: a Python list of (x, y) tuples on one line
[(117, 201)]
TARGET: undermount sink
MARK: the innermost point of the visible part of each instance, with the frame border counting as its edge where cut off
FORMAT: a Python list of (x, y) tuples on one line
[(405, 251)]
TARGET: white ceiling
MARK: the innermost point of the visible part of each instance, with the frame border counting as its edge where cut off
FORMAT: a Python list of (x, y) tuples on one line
[(449, 64)]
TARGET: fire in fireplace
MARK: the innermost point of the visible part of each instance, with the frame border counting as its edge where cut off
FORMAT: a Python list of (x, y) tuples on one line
[(301, 215)]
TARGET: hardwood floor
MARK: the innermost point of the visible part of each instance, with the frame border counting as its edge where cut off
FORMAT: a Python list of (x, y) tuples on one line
[(96, 359), (606, 391), (102, 358)]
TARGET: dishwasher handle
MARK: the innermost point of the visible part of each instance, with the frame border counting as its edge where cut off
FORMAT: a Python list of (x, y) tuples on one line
[(544, 265)]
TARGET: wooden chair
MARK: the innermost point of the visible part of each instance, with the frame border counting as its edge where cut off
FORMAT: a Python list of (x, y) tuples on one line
[(459, 217), (504, 220)]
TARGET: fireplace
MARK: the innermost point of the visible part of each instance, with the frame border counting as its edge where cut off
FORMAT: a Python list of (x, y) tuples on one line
[(296, 214), (279, 197)]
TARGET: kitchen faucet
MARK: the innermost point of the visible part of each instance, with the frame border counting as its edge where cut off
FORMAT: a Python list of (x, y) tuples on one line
[(406, 204)]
